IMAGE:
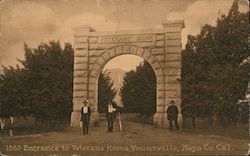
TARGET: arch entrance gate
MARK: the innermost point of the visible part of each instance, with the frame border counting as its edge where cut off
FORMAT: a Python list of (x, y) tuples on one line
[(161, 48)]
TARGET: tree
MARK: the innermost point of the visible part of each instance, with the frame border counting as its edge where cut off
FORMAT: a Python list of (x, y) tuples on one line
[(138, 93), (42, 88), (13, 93), (106, 92), (212, 78)]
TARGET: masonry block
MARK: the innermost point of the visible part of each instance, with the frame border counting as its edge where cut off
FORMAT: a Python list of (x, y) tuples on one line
[(80, 53), (77, 103), (140, 52), (159, 119), (119, 50), (173, 64), (126, 49), (105, 56), (80, 73), (160, 43), (111, 52), (93, 80), (158, 51), (173, 86), (160, 37), (147, 54), (96, 53), (172, 71), (81, 46), (158, 69), (160, 108), (173, 43), (79, 94), (80, 66), (173, 50), (80, 80), (94, 73), (93, 39), (160, 57), (160, 79), (144, 44), (173, 57), (160, 93), (80, 86), (81, 39), (172, 94), (160, 86), (173, 36), (173, 78)]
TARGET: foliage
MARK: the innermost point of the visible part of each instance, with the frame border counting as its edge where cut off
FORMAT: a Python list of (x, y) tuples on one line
[(106, 92), (13, 93), (138, 93), (213, 76), (42, 88)]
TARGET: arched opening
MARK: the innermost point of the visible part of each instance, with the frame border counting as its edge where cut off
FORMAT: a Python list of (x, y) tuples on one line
[(159, 47), (131, 82)]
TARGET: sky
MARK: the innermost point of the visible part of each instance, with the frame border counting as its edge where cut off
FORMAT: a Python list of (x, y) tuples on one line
[(121, 62), (36, 21)]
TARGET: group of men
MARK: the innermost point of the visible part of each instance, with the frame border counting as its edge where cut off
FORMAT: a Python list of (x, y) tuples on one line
[(86, 113), (172, 115)]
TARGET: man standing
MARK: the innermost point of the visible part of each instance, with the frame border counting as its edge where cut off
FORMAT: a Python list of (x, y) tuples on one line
[(172, 115), (85, 116), (110, 115)]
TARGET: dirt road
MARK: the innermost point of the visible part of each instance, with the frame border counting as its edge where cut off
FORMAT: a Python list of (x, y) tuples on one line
[(137, 139)]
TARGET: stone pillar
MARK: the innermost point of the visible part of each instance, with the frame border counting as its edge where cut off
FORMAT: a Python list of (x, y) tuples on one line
[(159, 119), (81, 71), (75, 118), (173, 65), (160, 102)]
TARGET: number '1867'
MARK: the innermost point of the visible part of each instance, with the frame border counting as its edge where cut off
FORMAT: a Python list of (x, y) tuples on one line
[(13, 147)]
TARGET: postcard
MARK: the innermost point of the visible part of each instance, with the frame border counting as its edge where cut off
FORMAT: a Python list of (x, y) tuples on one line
[(124, 77)]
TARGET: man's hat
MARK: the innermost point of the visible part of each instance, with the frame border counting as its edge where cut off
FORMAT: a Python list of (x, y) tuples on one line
[(85, 101)]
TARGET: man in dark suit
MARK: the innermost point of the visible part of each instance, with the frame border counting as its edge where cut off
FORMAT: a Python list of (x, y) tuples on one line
[(110, 115), (85, 116), (172, 115)]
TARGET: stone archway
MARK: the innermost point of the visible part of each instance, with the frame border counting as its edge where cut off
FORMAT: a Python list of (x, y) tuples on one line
[(161, 48), (133, 50)]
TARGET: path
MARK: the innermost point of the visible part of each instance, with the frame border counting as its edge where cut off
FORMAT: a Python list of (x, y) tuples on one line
[(137, 139)]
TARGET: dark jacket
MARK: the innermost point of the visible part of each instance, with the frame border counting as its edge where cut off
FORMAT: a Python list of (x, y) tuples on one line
[(172, 112), (85, 116)]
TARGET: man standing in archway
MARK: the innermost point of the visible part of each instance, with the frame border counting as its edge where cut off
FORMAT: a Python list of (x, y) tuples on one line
[(172, 115), (85, 116), (110, 115)]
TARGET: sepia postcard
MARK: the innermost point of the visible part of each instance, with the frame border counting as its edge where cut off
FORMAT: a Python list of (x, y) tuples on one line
[(124, 77)]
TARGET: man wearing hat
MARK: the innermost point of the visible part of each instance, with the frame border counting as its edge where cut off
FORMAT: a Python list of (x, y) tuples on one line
[(85, 116), (172, 115), (110, 115)]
